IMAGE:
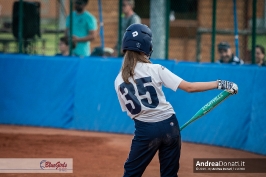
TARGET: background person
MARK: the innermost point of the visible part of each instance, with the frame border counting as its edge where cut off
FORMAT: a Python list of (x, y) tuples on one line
[(84, 28), (226, 54), (64, 46), (260, 55), (129, 17)]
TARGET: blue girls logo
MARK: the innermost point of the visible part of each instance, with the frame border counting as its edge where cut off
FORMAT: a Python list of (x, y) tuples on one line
[(42, 164)]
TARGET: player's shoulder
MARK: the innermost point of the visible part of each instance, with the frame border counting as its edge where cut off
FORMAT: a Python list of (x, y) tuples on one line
[(118, 80), (147, 66), (152, 65), (159, 67), (118, 77)]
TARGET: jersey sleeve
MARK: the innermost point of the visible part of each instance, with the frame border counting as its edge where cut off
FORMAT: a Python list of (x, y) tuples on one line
[(169, 79)]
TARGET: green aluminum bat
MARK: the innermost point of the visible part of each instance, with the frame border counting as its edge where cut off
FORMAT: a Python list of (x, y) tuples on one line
[(208, 107)]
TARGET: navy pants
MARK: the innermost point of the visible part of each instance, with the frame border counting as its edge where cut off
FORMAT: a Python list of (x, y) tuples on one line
[(150, 137)]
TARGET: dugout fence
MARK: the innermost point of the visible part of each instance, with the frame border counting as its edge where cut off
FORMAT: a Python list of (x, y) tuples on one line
[(63, 93)]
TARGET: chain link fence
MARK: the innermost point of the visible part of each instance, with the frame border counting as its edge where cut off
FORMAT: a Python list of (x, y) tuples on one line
[(182, 28), (225, 27), (46, 43), (53, 14), (190, 26)]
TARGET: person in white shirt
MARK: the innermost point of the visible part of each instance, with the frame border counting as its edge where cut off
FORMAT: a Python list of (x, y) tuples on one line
[(139, 90)]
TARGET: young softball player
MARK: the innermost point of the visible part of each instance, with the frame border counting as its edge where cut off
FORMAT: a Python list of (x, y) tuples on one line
[(139, 90)]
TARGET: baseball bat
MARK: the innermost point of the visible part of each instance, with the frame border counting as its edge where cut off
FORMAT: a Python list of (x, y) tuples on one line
[(208, 107)]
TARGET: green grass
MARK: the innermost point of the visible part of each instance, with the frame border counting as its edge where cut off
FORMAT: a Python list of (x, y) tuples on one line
[(51, 45), (260, 39)]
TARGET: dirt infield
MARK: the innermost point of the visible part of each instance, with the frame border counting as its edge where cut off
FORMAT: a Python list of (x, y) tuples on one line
[(99, 154)]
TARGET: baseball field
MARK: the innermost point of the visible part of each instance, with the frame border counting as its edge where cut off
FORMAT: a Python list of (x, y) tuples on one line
[(100, 154)]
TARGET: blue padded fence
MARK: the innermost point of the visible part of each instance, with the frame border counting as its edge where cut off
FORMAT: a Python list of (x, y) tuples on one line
[(74, 93)]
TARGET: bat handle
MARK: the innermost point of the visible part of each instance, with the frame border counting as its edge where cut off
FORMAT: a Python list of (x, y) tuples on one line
[(188, 122), (183, 126)]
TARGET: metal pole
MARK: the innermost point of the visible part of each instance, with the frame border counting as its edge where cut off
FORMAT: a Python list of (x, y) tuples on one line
[(101, 23), (254, 24), (20, 26), (119, 27), (58, 4), (167, 12), (264, 18), (214, 5), (62, 14), (236, 29), (198, 49), (157, 24), (70, 27)]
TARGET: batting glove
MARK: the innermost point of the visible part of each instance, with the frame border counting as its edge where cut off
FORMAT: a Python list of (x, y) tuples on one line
[(229, 86)]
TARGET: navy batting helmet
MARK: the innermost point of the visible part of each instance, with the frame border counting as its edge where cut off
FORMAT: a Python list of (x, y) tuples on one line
[(138, 37)]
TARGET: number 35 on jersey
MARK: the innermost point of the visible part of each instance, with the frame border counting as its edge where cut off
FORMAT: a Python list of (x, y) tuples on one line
[(146, 95)]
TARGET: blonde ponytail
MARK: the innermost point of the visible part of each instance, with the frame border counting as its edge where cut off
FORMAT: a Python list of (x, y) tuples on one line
[(130, 61)]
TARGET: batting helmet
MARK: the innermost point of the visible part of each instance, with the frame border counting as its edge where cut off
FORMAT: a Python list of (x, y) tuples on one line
[(138, 37)]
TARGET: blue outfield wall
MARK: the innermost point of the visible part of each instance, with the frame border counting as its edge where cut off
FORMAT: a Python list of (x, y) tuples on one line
[(73, 93)]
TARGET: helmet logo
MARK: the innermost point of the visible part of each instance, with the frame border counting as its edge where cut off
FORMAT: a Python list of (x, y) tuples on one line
[(135, 33), (138, 45)]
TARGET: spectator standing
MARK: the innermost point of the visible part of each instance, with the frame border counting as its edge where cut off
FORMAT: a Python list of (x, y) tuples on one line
[(226, 54), (129, 17), (260, 55), (64, 46), (84, 28)]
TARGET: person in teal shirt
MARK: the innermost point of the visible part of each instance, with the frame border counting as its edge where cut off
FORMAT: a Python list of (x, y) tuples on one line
[(84, 28)]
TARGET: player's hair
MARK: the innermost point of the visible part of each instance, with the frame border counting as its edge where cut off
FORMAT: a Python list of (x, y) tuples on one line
[(130, 61)]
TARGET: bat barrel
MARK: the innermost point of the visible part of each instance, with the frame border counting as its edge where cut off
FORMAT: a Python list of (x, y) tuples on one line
[(207, 108)]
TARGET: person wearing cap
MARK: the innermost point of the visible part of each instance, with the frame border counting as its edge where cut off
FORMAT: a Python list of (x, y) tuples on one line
[(129, 17), (84, 28), (226, 54)]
